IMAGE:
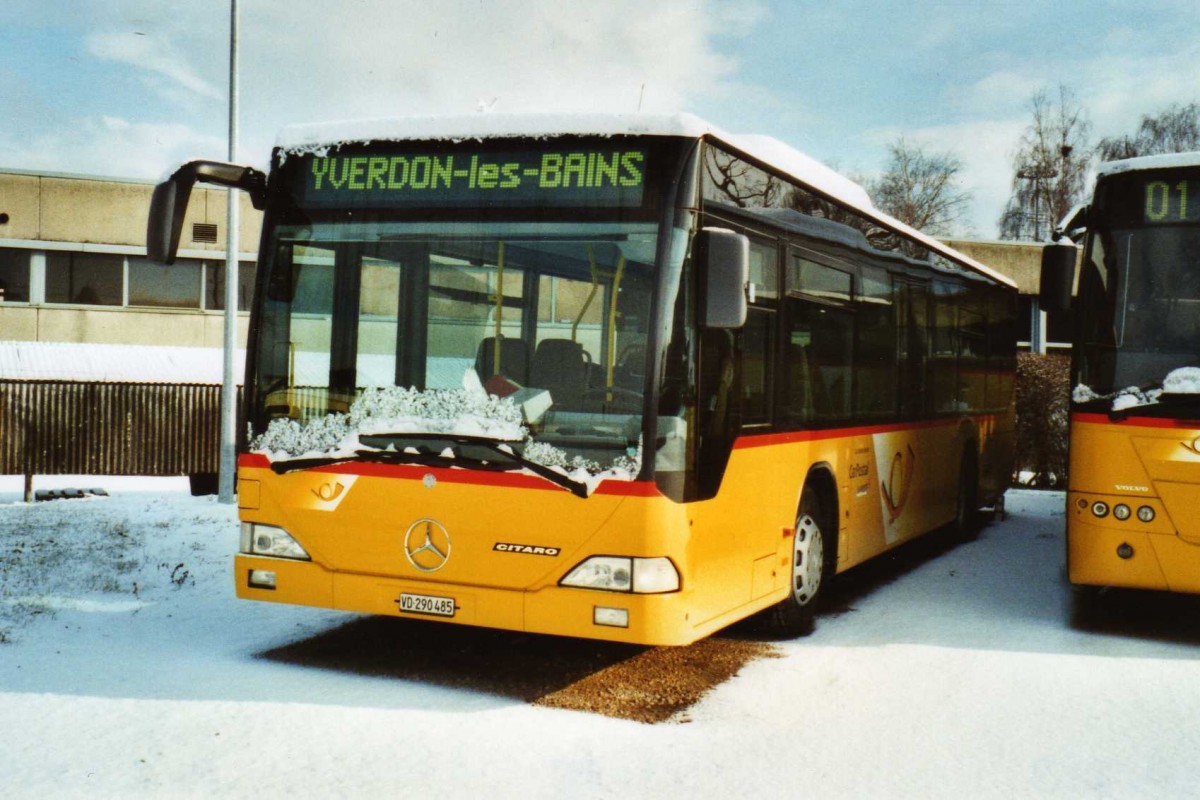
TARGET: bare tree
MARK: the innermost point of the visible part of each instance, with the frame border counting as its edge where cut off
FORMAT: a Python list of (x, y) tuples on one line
[(919, 188), (740, 182), (1175, 129), (1049, 167)]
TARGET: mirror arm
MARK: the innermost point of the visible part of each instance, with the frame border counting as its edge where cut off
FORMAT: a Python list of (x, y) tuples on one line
[(1073, 224), (222, 173), (168, 205)]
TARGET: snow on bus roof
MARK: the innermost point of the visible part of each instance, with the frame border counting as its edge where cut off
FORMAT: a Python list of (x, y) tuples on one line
[(1166, 161), (317, 138)]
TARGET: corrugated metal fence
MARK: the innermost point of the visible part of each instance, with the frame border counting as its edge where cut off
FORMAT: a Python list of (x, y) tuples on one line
[(73, 428)]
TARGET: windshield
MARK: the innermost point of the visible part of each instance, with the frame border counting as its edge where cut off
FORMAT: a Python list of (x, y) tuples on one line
[(1140, 286), (534, 333)]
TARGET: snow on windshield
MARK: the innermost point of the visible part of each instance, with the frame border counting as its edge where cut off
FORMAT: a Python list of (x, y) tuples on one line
[(1185, 380), (469, 411)]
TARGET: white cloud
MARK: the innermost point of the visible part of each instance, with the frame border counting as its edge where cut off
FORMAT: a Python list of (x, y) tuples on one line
[(1121, 89), (154, 54), (409, 58), (1004, 90), (112, 146), (312, 60)]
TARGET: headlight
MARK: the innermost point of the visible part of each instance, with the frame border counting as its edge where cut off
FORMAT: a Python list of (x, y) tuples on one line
[(268, 540), (622, 574), (654, 575)]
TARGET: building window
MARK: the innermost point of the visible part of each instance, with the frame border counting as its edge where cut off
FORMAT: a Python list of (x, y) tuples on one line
[(84, 278), (14, 276), (214, 285), (176, 286)]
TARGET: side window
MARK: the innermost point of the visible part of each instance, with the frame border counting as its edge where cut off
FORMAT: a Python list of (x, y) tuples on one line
[(155, 285), (912, 327), (819, 345), (972, 359), (875, 351), (764, 272), (1001, 355), (214, 285), (758, 337), (944, 357), (94, 279), (14, 276)]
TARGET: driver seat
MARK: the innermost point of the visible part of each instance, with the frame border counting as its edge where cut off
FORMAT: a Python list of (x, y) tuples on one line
[(560, 366)]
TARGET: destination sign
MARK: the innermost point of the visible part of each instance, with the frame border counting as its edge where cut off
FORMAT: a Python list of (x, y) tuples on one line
[(567, 177), (1170, 201)]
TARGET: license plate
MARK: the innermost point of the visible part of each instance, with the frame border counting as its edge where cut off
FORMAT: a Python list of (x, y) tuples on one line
[(427, 604)]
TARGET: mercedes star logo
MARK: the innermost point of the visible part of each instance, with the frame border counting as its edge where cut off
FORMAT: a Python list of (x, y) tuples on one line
[(427, 545)]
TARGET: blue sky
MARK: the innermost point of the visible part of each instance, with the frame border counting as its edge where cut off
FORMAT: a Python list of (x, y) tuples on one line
[(132, 87)]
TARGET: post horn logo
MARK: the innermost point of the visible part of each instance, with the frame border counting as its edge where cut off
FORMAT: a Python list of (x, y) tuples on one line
[(427, 545), (896, 497), (1193, 446), (329, 491)]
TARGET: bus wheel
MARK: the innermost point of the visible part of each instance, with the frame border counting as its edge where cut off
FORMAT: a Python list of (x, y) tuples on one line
[(795, 615)]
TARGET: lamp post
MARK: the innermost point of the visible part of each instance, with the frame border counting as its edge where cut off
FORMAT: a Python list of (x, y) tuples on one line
[(227, 469), (1037, 173)]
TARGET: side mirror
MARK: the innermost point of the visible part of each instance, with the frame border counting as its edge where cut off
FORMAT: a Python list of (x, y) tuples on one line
[(169, 203), (1058, 276), (722, 260), (1074, 224)]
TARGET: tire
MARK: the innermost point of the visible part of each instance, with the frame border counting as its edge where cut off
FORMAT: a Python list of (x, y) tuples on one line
[(966, 507), (202, 483), (1090, 606), (796, 614)]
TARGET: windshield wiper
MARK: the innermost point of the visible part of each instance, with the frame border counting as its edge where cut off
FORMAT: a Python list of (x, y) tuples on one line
[(577, 488), (425, 456)]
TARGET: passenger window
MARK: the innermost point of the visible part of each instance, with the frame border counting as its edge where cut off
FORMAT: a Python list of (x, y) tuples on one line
[(758, 345), (944, 359), (875, 355), (758, 336), (819, 347), (764, 272)]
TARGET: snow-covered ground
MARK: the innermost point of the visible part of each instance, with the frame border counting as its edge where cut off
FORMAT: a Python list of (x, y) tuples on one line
[(131, 671)]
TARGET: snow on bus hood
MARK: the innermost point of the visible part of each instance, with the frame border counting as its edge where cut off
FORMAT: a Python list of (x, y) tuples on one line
[(1185, 380), (469, 411)]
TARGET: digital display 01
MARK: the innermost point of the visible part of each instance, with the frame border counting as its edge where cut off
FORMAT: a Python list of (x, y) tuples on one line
[(567, 177), (1166, 201)]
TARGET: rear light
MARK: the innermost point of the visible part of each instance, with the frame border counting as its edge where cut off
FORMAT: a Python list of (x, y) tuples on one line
[(268, 540)]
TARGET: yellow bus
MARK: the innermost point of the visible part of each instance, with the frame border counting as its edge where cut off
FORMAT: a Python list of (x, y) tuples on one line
[(620, 377), (1133, 500)]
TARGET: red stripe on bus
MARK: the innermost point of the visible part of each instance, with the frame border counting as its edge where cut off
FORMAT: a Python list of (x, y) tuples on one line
[(1139, 422), (790, 437), (511, 480)]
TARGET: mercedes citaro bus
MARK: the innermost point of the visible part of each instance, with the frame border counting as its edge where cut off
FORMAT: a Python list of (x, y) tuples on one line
[(622, 377)]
